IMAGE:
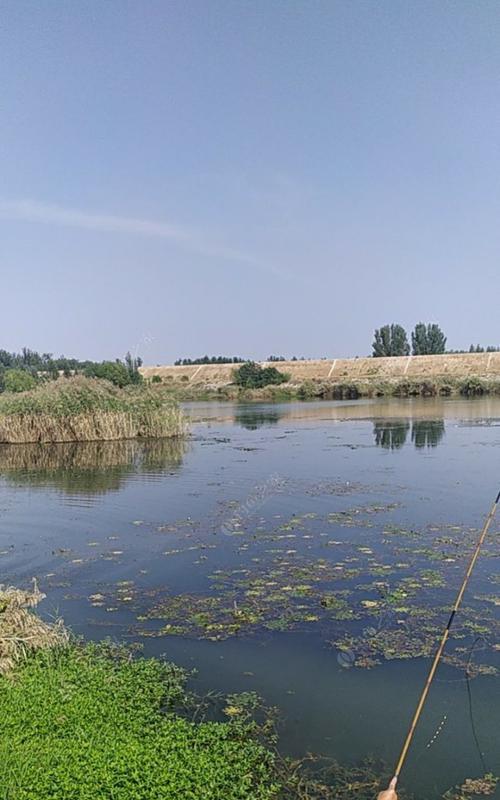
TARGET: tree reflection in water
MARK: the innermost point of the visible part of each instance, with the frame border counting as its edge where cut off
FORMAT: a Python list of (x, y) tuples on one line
[(392, 435)]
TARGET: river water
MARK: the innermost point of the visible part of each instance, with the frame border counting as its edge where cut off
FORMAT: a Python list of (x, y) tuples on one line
[(305, 551)]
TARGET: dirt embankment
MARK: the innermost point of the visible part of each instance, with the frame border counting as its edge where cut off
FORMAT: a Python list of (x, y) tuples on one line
[(453, 367)]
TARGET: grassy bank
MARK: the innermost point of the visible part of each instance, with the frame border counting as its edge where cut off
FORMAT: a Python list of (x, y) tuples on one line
[(329, 390), (82, 722), (87, 409)]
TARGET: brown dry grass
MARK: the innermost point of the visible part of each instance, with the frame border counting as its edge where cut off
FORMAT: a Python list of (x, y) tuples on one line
[(21, 631), (457, 365)]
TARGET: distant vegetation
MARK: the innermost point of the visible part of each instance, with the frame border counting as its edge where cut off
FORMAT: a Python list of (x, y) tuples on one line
[(87, 409), (392, 340), (252, 376), (478, 349), (187, 362), (22, 371)]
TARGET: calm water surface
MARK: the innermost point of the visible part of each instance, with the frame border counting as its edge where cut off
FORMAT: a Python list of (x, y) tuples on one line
[(295, 550)]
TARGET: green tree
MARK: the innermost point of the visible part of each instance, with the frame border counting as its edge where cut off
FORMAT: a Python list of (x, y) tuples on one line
[(419, 340), (390, 340), (132, 365), (18, 380), (252, 376), (114, 371), (428, 340)]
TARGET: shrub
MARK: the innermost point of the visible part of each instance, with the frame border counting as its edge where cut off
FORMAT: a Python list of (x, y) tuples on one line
[(18, 380), (472, 386), (113, 371), (307, 391), (156, 379), (252, 376)]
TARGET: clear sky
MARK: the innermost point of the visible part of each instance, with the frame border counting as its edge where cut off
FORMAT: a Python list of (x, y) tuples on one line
[(247, 176)]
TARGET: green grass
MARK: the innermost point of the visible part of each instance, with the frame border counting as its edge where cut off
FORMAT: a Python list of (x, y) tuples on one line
[(69, 396), (78, 724)]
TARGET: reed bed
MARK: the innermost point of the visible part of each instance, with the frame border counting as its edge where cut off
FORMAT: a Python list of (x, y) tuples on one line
[(85, 410)]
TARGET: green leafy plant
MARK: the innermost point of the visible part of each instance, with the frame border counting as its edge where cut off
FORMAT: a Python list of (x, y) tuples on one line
[(18, 380), (81, 723)]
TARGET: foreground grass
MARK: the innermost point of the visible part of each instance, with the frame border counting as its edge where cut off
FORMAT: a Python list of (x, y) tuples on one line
[(87, 409), (78, 723)]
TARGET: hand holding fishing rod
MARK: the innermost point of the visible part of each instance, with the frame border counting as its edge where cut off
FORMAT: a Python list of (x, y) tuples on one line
[(390, 792)]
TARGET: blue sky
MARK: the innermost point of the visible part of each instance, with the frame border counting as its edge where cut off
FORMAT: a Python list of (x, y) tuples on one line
[(181, 178)]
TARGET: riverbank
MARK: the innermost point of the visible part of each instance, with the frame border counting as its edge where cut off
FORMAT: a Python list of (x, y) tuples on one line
[(445, 375), (88, 409), (328, 390)]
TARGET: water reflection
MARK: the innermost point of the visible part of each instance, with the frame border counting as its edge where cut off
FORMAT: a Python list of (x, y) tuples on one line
[(392, 435), (427, 433), (253, 418), (88, 468)]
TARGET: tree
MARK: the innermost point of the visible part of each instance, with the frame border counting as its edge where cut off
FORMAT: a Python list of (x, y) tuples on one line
[(419, 340), (252, 376), (390, 340), (428, 340), (18, 380), (132, 365), (114, 371)]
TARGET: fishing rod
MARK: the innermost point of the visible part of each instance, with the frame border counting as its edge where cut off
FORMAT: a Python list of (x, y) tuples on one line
[(390, 792)]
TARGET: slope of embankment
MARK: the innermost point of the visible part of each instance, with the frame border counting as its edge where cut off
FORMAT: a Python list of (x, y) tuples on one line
[(467, 373)]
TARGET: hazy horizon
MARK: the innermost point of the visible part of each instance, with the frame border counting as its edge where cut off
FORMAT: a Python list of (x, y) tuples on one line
[(247, 178)]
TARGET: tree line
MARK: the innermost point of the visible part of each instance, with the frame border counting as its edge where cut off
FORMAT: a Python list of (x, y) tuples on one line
[(22, 371), (187, 362), (426, 340), (392, 340)]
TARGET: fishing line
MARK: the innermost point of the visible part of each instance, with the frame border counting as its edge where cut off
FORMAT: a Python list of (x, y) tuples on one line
[(442, 643), (471, 711)]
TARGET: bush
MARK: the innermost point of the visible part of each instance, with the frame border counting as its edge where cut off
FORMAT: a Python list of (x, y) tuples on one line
[(252, 376), (18, 380), (307, 391), (156, 379), (113, 371), (473, 386)]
